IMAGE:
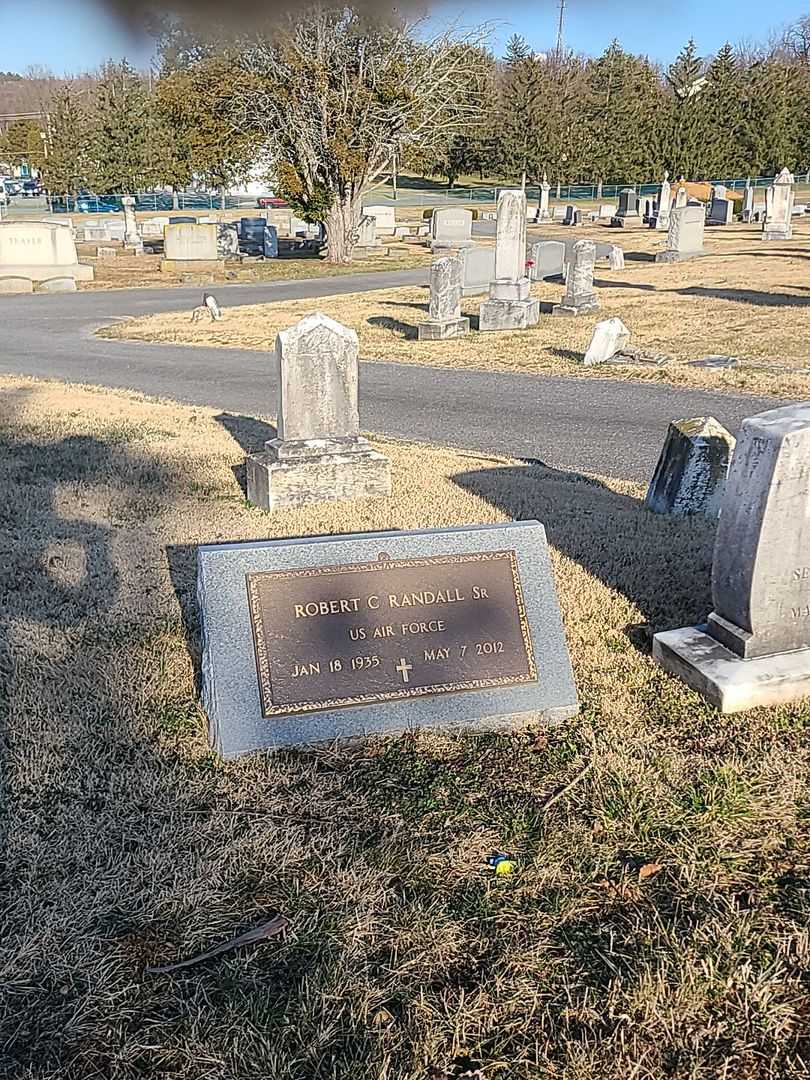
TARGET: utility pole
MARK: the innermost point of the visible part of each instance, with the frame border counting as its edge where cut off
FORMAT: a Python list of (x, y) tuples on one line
[(560, 30)]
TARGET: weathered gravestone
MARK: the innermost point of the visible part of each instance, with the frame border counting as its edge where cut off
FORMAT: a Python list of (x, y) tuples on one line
[(509, 306), (270, 242), (321, 638), (627, 213), (187, 246), (251, 235), (681, 197), (572, 216), (779, 207), (39, 250), (755, 648), (446, 320), (721, 210), (477, 269), (547, 258), (367, 232), (685, 236), (691, 472), (227, 240), (609, 337), (664, 205), (579, 298), (543, 212), (384, 217), (451, 226), (748, 203), (132, 237), (319, 453)]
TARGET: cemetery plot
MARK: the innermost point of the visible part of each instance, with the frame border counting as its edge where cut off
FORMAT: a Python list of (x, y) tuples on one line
[(744, 299), (675, 859)]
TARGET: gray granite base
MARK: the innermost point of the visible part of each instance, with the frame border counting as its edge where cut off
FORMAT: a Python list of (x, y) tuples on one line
[(678, 256), (230, 689), (728, 682), (274, 484), (443, 329), (777, 234), (508, 314), (576, 309)]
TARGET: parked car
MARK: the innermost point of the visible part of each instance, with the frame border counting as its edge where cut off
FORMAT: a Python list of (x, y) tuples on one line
[(272, 201), (31, 189), (13, 187)]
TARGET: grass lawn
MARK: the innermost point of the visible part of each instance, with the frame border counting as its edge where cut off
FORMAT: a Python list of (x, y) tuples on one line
[(745, 298), (656, 923), (143, 271)]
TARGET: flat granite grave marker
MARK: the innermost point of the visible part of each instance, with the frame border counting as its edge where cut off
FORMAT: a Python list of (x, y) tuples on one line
[(319, 453), (314, 639), (451, 226), (685, 235), (548, 259), (755, 647)]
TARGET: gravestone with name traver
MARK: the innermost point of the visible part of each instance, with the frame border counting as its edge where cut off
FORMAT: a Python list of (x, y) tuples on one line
[(319, 453), (38, 251), (313, 639), (755, 647)]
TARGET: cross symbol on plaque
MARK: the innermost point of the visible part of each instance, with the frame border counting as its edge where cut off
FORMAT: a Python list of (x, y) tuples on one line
[(403, 667)]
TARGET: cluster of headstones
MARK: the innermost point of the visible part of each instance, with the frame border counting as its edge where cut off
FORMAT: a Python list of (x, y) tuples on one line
[(752, 651)]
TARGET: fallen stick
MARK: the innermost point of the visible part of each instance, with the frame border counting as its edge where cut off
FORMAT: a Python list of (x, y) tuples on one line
[(566, 787), (272, 928)]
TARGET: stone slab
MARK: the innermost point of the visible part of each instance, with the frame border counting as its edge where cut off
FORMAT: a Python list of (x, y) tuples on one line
[(10, 284), (57, 284), (275, 485), (580, 309), (730, 683), (508, 314), (36, 272), (677, 256), (510, 290), (230, 685), (443, 329)]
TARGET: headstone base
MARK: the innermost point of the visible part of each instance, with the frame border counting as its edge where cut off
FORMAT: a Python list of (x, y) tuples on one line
[(741, 642), (11, 284), (58, 284), (587, 306), (730, 683), (625, 221), (780, 233), (442, 329), (508, 314), (510, 290), (195, 266), (43, 273), (444, 247), (274, 484), (677, 256)]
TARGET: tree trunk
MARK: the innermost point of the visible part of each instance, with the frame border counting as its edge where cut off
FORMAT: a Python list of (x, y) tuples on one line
[(342, 224)]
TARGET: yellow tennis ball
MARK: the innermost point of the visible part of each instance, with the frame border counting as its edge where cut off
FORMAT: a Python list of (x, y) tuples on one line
[(505, 866)]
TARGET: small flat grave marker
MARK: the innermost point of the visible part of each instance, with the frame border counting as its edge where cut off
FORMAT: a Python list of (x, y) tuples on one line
[(327, 637)]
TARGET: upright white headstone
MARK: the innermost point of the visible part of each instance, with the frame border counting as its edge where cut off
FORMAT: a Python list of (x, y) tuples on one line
[(779, 208), (446, 320), (664, 205), (509, 306)]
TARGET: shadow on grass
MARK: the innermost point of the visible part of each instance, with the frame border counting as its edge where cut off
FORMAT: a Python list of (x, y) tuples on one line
[(612, 536), (745, 296), (406, 330), (251, 434)]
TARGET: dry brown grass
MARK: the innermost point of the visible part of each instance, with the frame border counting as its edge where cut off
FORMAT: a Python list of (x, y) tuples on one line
[(129, 844), (143, 271), (746, 299)]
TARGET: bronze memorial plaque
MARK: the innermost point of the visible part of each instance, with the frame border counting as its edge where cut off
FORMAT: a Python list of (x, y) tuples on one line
[(333, 636)]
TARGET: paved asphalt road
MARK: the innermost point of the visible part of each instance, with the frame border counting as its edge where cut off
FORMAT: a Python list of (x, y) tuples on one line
[(592, 425)]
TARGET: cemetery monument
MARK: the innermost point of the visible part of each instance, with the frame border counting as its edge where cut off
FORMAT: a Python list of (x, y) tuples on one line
[(755, 647), (318, 453), (509, 306), (580, 297), (446, 320), (779, 208)]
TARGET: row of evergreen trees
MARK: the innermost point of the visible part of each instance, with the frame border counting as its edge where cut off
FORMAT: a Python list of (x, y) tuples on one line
[(616, 118)]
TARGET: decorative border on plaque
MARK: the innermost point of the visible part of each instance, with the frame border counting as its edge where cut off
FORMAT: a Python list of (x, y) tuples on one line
[(263, 668)]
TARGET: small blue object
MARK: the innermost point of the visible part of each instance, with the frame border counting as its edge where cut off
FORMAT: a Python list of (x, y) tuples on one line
[(500, 862)]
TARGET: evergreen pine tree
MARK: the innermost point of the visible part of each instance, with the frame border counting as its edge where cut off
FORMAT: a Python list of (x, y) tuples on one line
[(67, 166), (689, 129), (723, 104), (120, 138)]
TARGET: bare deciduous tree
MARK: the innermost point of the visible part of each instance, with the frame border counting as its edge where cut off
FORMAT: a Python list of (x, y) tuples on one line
[(335, 93)]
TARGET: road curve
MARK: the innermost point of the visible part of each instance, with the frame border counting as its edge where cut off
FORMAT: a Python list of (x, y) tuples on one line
[(604, 426)]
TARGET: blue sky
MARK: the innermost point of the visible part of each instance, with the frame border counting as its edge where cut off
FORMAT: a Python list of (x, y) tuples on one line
[(76, 35)]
